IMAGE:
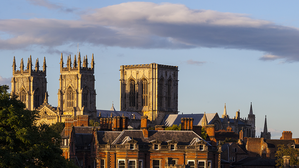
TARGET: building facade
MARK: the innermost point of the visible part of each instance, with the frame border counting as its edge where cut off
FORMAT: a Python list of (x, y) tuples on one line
[(151, 89)]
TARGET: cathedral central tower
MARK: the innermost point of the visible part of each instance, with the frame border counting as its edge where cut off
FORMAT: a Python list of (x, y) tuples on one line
[(76, 94)]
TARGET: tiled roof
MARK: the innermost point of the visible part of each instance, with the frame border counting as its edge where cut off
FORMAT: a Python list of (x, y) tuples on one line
[(171, 119), (105, 136)]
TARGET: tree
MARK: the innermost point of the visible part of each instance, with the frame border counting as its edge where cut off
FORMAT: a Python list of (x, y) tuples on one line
[(93, 123), (174, 127), (203, 133), (23, 144), (282, 150), (57, 127)]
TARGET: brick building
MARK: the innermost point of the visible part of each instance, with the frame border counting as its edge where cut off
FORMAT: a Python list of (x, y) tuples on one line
[(93, 147)]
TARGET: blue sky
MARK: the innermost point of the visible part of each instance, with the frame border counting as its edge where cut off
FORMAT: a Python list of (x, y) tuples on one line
[(232, 52)]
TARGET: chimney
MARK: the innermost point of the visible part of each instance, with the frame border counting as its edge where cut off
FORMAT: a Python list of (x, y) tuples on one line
[(143, 126), (124, 122), (68, 126), (114, 124), (241, 135), (191, 124), (82, 120), (286, 135), (182, 124)]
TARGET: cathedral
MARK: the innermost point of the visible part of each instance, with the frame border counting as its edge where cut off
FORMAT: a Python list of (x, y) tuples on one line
[(76, 93)]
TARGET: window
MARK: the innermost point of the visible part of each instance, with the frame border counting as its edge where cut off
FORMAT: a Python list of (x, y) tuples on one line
[(201, 164), (23, 96), (140, 165), (191, 164), (201, 147), (121, 164), (36, 98), (171, 147), (156, 163), (209, 164), (132, 93), (85, 97), (171, 161), (156, 146), (169, 83), (102, 163), (160, 92), (70, 97), (235, 149), (144, 93), (132, 163), (132, 146)]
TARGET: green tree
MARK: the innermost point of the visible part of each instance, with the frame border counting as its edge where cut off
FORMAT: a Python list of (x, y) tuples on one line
[(203, 133), (174, 127), (22, 144), (93, 123), (282, 150), (57, 127)]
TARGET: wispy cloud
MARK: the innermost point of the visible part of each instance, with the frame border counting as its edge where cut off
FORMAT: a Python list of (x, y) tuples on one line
[(5, 81), (198, 63), (49, 5), (149, 25)]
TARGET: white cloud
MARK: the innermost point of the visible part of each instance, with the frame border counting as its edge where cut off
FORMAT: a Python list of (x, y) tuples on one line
[(149, 25), (49, 5), (198, 63), (5, 81)]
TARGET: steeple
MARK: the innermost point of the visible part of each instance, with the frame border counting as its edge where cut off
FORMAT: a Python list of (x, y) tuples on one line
[(224, 111), (46, 97), (250, 111), (92, 62), (79, 61), (22, 65), (84, 62), (44, 66), (75, 62), (61, 61), (37, 65), (14, 65), (204, 121), (265, 125), (69, 62), (112, 108)]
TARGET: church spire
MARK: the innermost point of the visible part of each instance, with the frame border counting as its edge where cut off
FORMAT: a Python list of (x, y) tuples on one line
[(46, 98), (45, 65), (204, 121), (36, 65), (92, 62), (224, 111), (265, 125), (14, 65), (250, 111), (61, 61)]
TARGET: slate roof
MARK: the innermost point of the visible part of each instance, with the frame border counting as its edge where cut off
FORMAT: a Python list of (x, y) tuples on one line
[(273, 143), (182, 137), (107, 113), (171, 119), (105, 136)]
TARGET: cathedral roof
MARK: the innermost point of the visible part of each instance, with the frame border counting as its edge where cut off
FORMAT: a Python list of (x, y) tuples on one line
[(107, 114), (171, 119)]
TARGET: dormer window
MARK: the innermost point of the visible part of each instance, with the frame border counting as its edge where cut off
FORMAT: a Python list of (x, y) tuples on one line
[(201, 148), (156, 146), (132, 147), (171, 147)]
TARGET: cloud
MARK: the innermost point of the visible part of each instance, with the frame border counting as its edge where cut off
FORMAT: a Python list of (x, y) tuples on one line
[(5, 81), (49, 5), (148, 25), (198, 63)]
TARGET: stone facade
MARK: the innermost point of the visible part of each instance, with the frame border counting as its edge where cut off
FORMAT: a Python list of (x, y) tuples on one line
[(151, 89), (76, 94), (30, 85)]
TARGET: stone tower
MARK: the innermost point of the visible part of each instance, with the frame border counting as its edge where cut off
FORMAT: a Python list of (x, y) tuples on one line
[(151, 89), (76, 94), (30, 85), (251, 121)]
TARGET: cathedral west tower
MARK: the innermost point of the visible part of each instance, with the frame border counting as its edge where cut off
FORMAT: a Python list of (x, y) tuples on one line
[(30, 85), (76, 94), (151, 89)]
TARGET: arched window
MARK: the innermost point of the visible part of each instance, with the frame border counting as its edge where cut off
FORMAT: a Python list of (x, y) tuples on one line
[(37, 98), (70, 97), (169, 84), (85, 97), (144, 92), (23, 96), (132, 93), (160, 92)]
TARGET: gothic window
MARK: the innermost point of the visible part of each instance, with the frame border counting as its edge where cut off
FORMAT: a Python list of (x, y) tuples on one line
[(144, 92), (132, 93), (23, 96), (70, 97), (160, 92), (169, 84), (85, 97), (36, 98)]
